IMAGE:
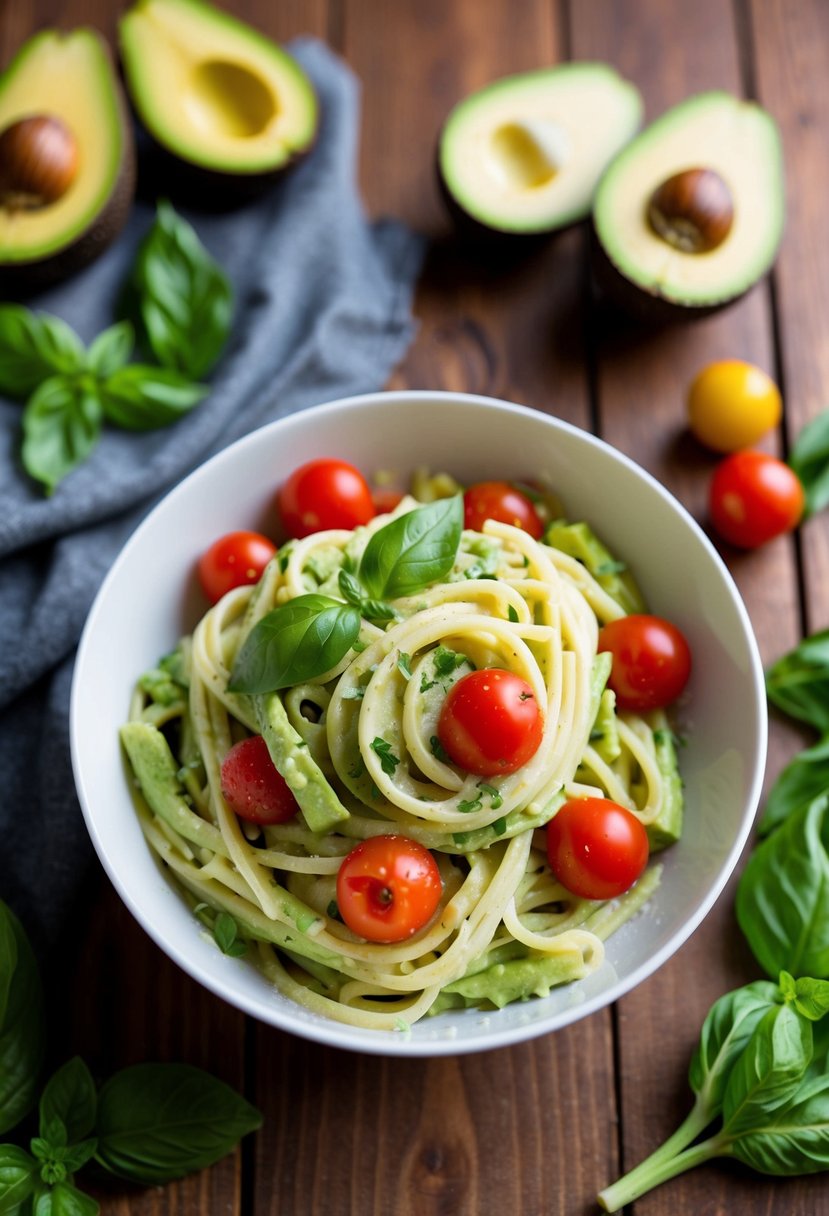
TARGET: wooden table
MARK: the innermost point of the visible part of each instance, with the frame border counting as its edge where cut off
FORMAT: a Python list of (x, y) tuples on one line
[(540, 1127)]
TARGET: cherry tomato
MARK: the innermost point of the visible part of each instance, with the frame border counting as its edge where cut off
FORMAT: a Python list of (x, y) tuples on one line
[(232, 561), (596, 848), (732, 404), (490, 722), (324, 494), (754, 497), (500, 501), (385, 499), (651, 661), (253, 787), (388, 887)]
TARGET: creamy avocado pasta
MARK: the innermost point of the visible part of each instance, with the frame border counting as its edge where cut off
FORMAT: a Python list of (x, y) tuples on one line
[(348, 666)]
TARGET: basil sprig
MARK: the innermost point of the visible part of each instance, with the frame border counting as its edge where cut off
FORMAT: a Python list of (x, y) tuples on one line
[(180, 297), (760, 1069), (148, 1124), (307, 636), (182, 304)]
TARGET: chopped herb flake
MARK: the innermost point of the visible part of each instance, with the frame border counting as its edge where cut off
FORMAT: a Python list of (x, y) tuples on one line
[(404, 665), (438, 750), (495, 799), (446, 661), (499, 826), (471, 805), (512, 614), (388, 760)]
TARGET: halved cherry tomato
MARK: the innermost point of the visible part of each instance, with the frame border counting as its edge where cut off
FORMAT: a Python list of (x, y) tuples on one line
[(753, 498), (500, 501), (324, 494), (234, 560), (388, 887), (651, 661), (596, 848), (490, 722), (253, 787), (732, 404)]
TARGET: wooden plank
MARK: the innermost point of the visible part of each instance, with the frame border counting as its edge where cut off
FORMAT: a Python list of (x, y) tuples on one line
[(671, 52), (363, 1135)]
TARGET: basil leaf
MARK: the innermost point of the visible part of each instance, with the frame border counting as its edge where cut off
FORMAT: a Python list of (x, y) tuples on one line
[(414, 550), (790, 1140), (809, 458), (803, 780), (810, 997), (21, 1031), (799, 682), (111, 350), (298, 641), (69, 1098), (64, 1199), (141, 397), (76, 1155), (183, 299), (18, 1171), (33, 347), (783, 896), (157, 1122), (61, 425), (729, 1024), (768, 1071), (226, 933)]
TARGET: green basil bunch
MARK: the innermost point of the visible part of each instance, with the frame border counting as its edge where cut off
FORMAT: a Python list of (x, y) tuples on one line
[(182, 304), (311, 634), (147, 1124), (763, 1072)]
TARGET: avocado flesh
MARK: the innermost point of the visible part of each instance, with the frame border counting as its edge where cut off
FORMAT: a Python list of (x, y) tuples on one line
[(214, 91), (740, 142), (69, 76), (525, 153)]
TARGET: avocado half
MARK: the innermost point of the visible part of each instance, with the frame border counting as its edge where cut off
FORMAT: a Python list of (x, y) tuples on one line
[(214, 92), (69, 76), (525, 153), (736, 146)]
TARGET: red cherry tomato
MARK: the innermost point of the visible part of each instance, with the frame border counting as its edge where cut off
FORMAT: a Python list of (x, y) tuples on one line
[(385, 500), (253, 787), (753, 498), (651, 661), (500, 501), (233, 561), (324, 494), (490, 722), (596, 848), (388, 887)]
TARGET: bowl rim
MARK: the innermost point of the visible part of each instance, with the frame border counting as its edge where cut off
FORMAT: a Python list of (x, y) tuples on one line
[(359, 1039)]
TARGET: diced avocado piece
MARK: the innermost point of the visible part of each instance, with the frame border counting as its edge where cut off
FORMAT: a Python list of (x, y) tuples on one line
[(578, 540), (519, 979), (156, 771), (525, 153), (513, 824), (214, 91), (320, 806), (605, 733), (66, 78), (666, 829), (690, 214)]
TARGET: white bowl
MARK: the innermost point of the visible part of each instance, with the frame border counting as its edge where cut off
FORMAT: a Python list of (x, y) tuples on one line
[(148, 599)]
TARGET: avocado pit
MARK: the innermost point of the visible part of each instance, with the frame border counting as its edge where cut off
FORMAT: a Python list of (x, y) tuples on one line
[(693, 210), (38, 162)]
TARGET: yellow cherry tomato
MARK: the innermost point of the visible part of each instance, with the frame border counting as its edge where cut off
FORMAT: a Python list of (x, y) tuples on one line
[(732, 404)]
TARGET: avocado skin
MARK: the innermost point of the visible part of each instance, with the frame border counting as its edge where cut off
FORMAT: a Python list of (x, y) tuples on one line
[(645, 308), (22, 279)]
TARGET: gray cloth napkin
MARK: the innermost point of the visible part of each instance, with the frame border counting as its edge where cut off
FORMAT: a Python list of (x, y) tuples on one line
[(323, 310)]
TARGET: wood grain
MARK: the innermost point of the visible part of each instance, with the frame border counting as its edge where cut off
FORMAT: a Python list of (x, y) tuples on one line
[(536, 1128)]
